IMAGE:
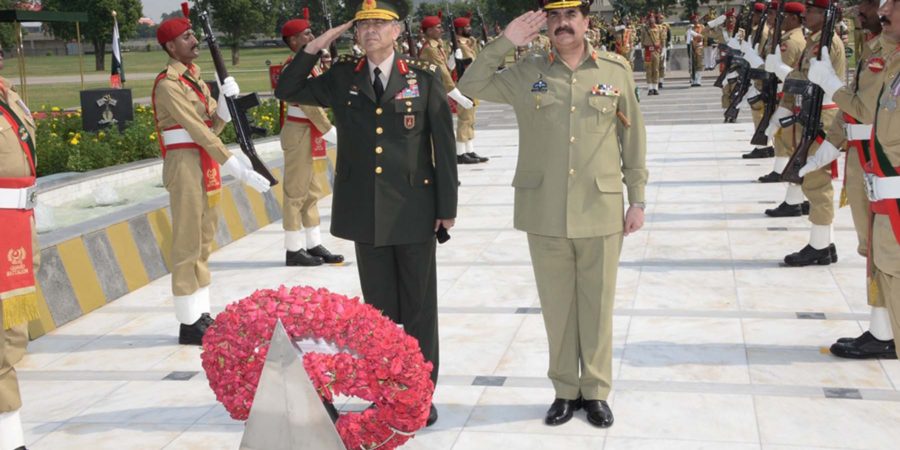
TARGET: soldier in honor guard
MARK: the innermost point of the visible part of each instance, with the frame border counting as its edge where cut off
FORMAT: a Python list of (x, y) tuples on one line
[(816, 185), (652, 39), (853, 127), (188, 121), (710, 44), (882, 180), (625, 41), (396, 182), (434, 51), (695, 36), (667, 45), (305, 131), (582, 133), (722, 29), (19, 255), (758, 109), (465, 118), (790, 49)]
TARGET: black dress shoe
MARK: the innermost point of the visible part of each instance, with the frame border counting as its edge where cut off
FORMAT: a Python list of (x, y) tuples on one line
[(561, 411), (193, 334), (301, 258), (809, 256), (660, 84), (785, 210), (771, 177), (432, 416), (322, 252), (465, 159), (804, 208), (598, 413), (865, 346), (478, 157), (759, 152)]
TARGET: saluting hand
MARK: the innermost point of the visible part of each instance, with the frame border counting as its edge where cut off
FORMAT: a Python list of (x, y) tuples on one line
[(634, 219), (325, 39), (525, 28)]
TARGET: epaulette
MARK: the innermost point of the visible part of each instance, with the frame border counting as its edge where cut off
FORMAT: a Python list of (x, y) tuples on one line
[(614, 57), (349, 59), (172, 74), (422, 65)]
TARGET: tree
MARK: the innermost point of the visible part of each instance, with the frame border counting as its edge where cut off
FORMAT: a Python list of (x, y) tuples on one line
[(7, 30), (238, 20), (98, 28)]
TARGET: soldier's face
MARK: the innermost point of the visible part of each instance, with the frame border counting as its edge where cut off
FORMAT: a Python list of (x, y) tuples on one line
[(890, 19), (185, 47), (566, 26), (435, 32), (814, 18), (377, 35), (868, 14)]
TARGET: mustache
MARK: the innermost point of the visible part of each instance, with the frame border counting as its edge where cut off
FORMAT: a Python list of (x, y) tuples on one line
[(563, 29), (884, 20)]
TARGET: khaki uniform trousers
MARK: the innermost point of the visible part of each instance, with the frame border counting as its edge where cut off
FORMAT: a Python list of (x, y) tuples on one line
[(886, 252), (576, 281), (757, 110), (13, 343), (301, 190), (194, 221), (784, 141), (465, 123), (859, 208), (727, 88), (652, 66), (817, 185)]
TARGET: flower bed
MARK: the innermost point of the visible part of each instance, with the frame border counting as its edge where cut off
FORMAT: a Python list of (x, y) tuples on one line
[(380, 363), (62, 145)]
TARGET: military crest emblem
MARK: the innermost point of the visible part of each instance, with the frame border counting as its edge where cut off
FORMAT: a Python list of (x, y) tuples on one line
[(409, 121)]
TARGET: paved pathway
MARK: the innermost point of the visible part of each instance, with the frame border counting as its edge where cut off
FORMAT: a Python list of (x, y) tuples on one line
[(716, 346)]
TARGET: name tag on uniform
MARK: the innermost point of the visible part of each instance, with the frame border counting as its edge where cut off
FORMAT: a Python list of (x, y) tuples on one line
[(354, 90), (410, 92), (605, 90)]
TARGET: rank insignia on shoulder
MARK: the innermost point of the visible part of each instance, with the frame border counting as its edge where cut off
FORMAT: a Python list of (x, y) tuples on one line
[(606, 90), (540, 85)]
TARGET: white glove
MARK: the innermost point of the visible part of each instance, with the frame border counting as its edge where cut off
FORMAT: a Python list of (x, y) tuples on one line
[(826, 153), (458, 54), (746, 47), (752, 57), (451, 63), (775, 120), (227, 89), (774, 64), (822, 73), (331, 136), (734, 43), (246, 174), (716, 22), (460, 99), (620, 27)]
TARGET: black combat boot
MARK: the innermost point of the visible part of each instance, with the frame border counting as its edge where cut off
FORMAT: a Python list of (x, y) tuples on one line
[(326, 256), (301, 258), (785, 210), (865, 346), (193, 334), (809, 256), (759, 153)]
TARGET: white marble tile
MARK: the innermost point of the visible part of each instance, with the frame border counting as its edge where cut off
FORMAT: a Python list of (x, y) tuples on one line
[(689, 331), (710, 363), (110, 437), (478, 440), (60, 401), (148, 402), (522, 410), (808, 422), (664, 415), (473, 344), (118, 353), (211, 437), (617, 443), (783, 366), (50, 348), (792, 332)]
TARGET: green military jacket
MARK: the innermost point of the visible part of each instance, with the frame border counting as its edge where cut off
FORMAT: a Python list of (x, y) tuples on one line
[(580, 133), (389, 186)]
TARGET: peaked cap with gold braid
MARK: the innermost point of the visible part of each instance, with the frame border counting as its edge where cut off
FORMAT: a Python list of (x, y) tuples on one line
[(560, 4), (379, 9)]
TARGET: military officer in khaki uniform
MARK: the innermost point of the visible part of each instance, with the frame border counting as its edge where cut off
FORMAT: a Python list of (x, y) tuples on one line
[(816, 185), (20, 255), (790, 50), (188, 121), (582, 133), (695, 37), (465, 118), (667, 45), (395, 146), (882, 171), (305, 128), (761, 50), (624, 34), (853, 127), (652, 39)]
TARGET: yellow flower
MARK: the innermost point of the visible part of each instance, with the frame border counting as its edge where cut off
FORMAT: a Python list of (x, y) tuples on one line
[(55, 109), (153, 137), (74, 141), (101, 135)]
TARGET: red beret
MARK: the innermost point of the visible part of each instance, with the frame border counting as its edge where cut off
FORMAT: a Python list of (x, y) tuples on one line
[(729, 13), (760, 7), (794, 8), (431, 21), (173, 27), (773, 5), (818, 3), (462, 22), (295, 26)]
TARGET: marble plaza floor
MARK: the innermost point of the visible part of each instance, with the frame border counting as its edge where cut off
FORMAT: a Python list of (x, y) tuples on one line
[(716, 346)]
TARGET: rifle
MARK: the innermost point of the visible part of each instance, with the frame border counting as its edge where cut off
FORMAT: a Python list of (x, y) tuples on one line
[(746, 74), (333, 47), (454, 45), (484, 30), (810, 116), (237, 106), (411, 41), (690, 49), (769, 92)]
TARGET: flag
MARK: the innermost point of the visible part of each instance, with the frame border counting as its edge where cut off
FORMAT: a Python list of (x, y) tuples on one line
[(118, 72)]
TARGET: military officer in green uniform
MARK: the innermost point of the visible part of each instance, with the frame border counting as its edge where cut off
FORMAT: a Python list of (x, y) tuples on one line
[(396, 181), (581, 134)]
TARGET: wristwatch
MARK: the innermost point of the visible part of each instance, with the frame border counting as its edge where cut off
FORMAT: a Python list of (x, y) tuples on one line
[(638, 205)]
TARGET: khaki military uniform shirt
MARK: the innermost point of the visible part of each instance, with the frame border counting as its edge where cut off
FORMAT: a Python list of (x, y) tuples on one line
[(886, 250), (654, 36), (177, 104), (316, 115), (859, 98), (469, 46), (13, 161), (435, 52), (581, 133), (801, 68)]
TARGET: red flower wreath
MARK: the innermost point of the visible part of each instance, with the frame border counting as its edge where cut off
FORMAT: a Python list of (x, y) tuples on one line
[(382, 364)]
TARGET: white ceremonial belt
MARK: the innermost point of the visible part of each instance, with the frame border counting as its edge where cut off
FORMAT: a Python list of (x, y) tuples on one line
[(174, 137), (858, 132), (882, 188), (23, 198), (296, 112)]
